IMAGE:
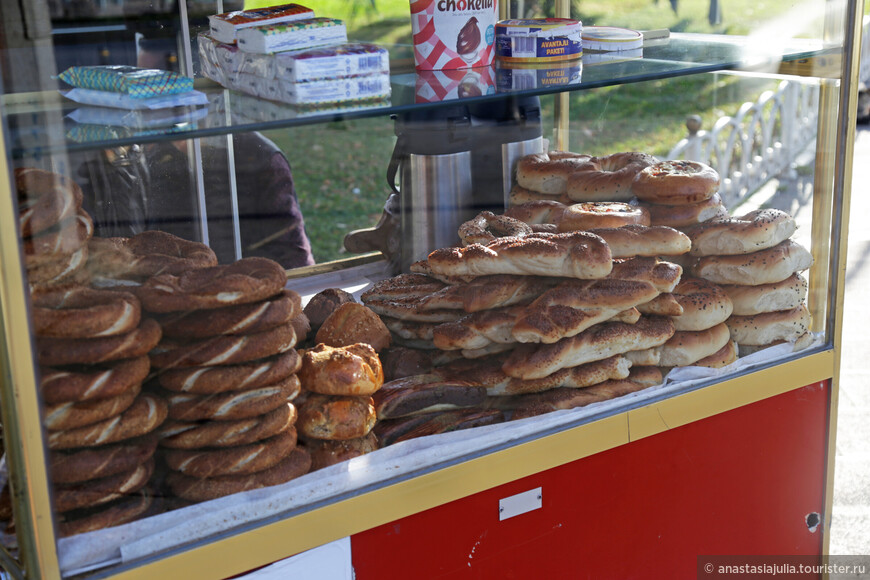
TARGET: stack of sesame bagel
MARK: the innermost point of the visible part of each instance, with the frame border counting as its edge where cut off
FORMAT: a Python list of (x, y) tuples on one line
[(227, 366)]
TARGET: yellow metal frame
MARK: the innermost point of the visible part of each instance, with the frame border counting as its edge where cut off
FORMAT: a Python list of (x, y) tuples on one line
[(270, 542)]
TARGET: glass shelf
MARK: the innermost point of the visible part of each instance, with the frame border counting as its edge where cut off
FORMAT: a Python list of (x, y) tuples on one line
[(39, 123)]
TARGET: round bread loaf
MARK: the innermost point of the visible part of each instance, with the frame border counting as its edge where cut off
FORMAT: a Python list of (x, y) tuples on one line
[(44, 199), (92, 382), (232, 405), (196, 435), (350, 370), (607, 178), (688, 214), (150, 253), (548, 172), (325, 453), (248, 280), (721, 358), (750, 300), (197, 489), (764, 267), (223, 350), (757, 230), (353, 323), (96, 462), (237, 460), (676, 183), (487, 226), (240, 377), (84, 313), (121, 511), (324, 303), (75, 351), (72, 415), (336, 418), (704, 305), (685, 348), (145, 414), (769, 327), (601, 214)]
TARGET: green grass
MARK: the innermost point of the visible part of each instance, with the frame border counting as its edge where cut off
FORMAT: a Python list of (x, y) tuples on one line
[(340, 168)]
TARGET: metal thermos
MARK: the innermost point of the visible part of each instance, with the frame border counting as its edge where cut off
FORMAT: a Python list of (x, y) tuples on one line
[(432, 160)]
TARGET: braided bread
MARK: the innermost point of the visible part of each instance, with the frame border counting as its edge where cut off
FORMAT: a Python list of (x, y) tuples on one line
[(548, 172), (607, 178)]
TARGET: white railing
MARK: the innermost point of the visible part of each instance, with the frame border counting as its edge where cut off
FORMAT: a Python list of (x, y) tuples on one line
[(760, 142)]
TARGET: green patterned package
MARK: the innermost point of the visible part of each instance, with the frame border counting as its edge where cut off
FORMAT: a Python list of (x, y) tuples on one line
[(139, 83)]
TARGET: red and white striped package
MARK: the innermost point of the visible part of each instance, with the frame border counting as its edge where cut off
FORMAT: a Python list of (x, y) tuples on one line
[(453, 34), (435, 86)]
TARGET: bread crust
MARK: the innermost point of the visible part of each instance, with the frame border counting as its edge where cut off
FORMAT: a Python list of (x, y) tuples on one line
[(537, 212), (635, 240), (519, 195), (353, 323), (763, 267), (704, 305), (548, 172), (74, 351), (84, 313), (754, 231), (336, 418), (687, 347), (688, 214), (196, 435), (80, 465), (721, 358), (145, 414), (664, 276), (71, 415), (236, 460), (62, 385), (326, 453), (751, 300), (44, 199), (601, 214), (150, 253), (208, 380), (607, 178), (676, 182), (64, 238), (770, 327), (223, 349), (487, 226), (425, 394), (232, 405)]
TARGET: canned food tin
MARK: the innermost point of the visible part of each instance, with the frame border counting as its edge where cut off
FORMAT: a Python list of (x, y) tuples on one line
[(611, 39), (538, 40)]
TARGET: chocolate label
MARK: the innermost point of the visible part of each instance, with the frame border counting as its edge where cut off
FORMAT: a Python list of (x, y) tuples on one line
[(453, 34)]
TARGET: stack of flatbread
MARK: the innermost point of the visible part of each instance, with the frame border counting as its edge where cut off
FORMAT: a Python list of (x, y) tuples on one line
[(757, 264), (543, 321)]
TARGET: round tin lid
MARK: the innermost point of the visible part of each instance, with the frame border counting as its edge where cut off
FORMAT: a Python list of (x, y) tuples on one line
[(610, 38)]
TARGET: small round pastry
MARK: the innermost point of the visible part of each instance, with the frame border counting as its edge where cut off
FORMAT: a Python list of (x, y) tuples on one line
[(688, 214), (548, 172), (350, 370), (84, 313), (769, 327), (44, 199), (607, 178), (324, 303), (74, 351), (764, 267), (685, 348), (240, 377), (296, 464), (486, 226), (336, 418), (353, 323), (704, 304), (751, 300), (676, 183), (721, 358), (601, 214), (92, 382), (326, 453), (248, 280), (237, 460)]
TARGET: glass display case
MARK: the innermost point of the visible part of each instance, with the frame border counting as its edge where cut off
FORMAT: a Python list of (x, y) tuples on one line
[(163, 411)]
